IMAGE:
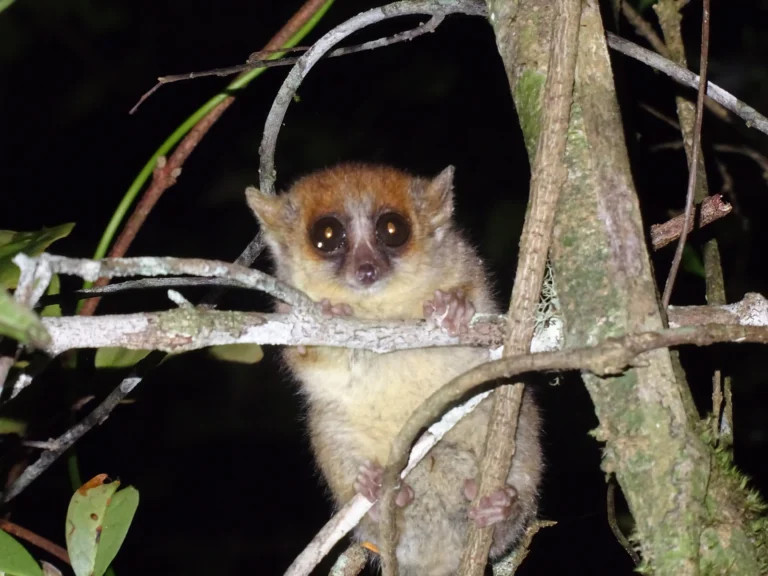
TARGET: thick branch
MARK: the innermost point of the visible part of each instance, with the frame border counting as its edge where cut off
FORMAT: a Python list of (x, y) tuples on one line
[(547, 178), (711, 209), (185, 330), (182, 330)]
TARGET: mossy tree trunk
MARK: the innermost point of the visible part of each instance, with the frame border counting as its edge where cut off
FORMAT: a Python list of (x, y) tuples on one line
[(691, 515)]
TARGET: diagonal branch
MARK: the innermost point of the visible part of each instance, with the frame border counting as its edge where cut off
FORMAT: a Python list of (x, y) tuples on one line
[(685, 77)]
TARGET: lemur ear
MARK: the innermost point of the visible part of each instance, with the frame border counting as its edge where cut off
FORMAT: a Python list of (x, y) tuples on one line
[(268, 208), (438, 197)]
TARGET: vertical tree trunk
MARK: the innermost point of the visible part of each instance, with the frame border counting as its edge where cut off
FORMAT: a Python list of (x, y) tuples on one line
[(685, 499)]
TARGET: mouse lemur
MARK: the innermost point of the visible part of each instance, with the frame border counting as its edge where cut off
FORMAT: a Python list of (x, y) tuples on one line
[(379, 243)]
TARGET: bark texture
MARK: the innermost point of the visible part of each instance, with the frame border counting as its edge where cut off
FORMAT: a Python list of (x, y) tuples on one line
[(685, 503)]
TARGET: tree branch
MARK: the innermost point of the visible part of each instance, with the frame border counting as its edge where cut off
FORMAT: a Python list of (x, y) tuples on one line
[(609, 358), (711, 209), (158, 266), (687, 78), (190, 329), (694, 167), (63, 442), (255, 60), (436, 8), (547, 179)]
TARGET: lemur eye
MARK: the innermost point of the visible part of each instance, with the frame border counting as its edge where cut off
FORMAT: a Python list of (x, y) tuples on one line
[(327, 234), (392, 229)]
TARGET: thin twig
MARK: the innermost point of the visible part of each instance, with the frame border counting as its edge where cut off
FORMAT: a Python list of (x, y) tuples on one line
[(663, 117), (35, 539), (436, 8), (508, 565), (712, 209), (274, 46), (758, 158), (610, 502), (644, 29), (430, 26), (143, 284), (687, 78), (154, 266), (688, 221), (63, 442)]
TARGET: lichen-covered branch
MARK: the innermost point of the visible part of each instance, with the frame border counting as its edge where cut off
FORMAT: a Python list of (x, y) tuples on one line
[(606, 288), (187, 329), (192, 329)]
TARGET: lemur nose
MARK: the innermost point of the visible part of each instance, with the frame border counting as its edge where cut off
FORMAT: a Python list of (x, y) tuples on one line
[(367, 273)]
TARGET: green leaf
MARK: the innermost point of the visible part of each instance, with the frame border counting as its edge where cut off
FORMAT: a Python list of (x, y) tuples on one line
[(31, 243), (115, 357), (21, 323), (12, 426), (97, 522), (242, 353), (119, 517), (5, 4), (54, 288), (14, 558), (692, 262)]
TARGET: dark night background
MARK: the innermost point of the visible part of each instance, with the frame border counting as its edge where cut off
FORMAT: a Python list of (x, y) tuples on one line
[(217, 450)]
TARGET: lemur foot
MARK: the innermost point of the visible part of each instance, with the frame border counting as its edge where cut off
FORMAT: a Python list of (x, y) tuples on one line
[(368, 483), (451, 310), (492, 509)]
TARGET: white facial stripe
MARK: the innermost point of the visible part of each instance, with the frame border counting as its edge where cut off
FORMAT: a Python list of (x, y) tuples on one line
[(360, 226)]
